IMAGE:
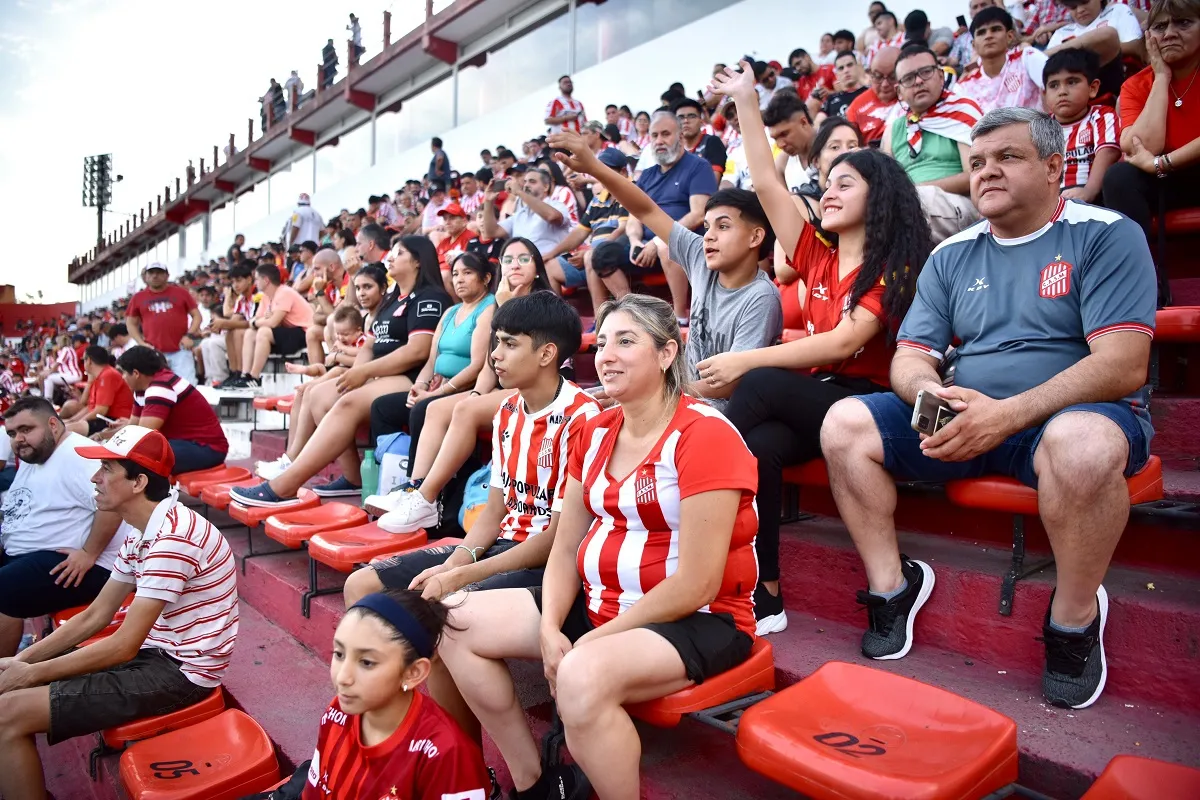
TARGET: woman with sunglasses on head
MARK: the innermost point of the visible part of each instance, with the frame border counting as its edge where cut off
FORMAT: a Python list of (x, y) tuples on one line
[(857, 275)]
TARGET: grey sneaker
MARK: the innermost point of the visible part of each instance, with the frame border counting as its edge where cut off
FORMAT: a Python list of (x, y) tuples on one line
[(1076, 667), (890, 622)]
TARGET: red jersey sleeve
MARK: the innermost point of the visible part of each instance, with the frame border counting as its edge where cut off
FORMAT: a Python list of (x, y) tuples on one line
[(873, 301), (811, 251), (579, 432), (698, 471), (575, 432), (1106, 131), (135, 306), (1133, 96)]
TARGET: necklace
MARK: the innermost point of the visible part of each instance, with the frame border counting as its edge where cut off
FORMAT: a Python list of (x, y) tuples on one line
[(1179, 97)]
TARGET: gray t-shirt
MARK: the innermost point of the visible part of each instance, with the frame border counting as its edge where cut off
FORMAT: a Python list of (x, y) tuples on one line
[(723, 320), (1026, 309)]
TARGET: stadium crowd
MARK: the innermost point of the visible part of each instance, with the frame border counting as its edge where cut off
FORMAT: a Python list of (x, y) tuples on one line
[(953, 219)]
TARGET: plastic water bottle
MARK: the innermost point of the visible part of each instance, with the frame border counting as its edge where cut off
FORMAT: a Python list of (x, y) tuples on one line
[(370, 474)]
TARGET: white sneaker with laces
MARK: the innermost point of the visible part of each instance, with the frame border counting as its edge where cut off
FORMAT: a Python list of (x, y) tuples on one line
[(380, 504), (270, 470), (410, 513)]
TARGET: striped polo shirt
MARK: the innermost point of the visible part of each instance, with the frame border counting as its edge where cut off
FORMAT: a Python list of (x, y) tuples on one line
[(182, 559)]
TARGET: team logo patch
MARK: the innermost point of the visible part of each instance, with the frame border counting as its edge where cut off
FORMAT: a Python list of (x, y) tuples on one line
[(429, 308), (1056, 280), (1012, 83), (1084, 137), (546, 453), (644, 491)]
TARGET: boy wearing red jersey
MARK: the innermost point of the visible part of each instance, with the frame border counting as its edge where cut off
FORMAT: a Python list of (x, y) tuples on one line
[(1092, 132)]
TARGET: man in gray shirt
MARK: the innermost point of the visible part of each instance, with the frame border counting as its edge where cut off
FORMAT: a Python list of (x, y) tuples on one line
[(734, 304), (1053, 302)]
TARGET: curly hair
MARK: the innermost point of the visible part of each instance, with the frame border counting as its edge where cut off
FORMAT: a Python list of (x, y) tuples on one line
[(898, 241)]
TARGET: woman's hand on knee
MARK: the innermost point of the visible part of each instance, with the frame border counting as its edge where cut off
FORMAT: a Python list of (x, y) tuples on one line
[(554, 647)]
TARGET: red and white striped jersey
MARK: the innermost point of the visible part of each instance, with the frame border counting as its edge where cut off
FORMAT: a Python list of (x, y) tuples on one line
[(67, 364), (530, 451), (182, 559), (561, 105), (625, 127), (633, 542), (564, 195), (1097, 130), (642, 141), (471, 203), (879, 44), (1019, 84)]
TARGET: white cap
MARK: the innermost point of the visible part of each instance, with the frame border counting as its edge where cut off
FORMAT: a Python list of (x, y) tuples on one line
[(304, 199)]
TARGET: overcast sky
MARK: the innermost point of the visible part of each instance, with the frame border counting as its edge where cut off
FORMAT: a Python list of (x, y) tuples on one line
[(153, 83)]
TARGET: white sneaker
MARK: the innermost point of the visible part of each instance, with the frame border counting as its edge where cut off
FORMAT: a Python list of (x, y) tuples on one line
[(270, 470), (380, 504), (410, 513)]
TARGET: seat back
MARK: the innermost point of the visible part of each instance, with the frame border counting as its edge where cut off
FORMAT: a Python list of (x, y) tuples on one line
[(1135, 778), (193, 482), (253, 516), (755, 674), (292, 528)]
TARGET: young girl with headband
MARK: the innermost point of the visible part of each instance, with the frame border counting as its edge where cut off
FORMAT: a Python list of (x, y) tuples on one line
[(380, 737)]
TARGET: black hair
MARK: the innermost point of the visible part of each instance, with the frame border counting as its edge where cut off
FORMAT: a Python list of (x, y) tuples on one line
[(828, 126), (118, 329), (310, 246), (157, 486), (541, 279), (377, 234), (377, 273), (886, 13), (843, 34), (484, 175), (842, 54), (242, 270), (40, 406), (431, 615), (783, 106), (98, 355), (799, 51), (143, 359), (270, 272), (914, 49), (686, 102), (612, 106), (477, 264), (748, 205), (429, 272), (898, 240), (560, 77), (374, 199), (1084, 62), (347, 236), (545, 318), (990, 15), (436, 142)]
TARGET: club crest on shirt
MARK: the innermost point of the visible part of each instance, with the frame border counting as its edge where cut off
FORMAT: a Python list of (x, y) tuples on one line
[(644, 491), (1012, 83), (1084, 137), (1056, 279), (546, 453)]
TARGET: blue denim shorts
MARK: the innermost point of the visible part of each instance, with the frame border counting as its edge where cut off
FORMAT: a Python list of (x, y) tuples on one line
[(575, 276), (903, 457)]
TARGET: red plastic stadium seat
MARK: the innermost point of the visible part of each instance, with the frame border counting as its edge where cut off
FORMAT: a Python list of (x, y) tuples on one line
[(1177, 324), (447, 541), (849, 732), (193, 482), (253, 516), (118, 737), (60, 617), (587, 342), (1183, 222), (651, 279), (293, 528), (755, 674), (270, 403), (994, 493), (345, 549), (223, 758), (792, 334), (810, 473), (216, 495), (1134, 778), (284, 406)]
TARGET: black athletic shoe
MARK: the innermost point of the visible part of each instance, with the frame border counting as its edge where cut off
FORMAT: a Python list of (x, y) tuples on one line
[(768, 611), (229, 382), (564, 782), (496, 793), (890, 622), (1076, 667)]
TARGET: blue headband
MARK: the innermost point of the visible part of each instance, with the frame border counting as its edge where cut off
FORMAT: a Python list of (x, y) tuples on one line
[(399, 617)]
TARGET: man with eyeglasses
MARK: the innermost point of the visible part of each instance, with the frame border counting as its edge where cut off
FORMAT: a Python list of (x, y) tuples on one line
[(872, 110), (538, 218), (695, 140), (1008, 76), (931, 141)]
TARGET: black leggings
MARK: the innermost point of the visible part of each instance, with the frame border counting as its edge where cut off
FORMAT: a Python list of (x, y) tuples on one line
[(779, 413), (390, 413)]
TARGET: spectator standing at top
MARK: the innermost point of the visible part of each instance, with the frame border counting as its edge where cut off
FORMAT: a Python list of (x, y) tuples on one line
[(872, 110), (691, 131), (164, 316), (439, 165), (329, 64), (293, 85), (305, 222), (565, 113), (1009, 75), (355, 29), (931, 141)]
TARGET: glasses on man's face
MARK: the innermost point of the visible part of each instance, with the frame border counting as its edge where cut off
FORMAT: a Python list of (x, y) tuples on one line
[(686, 117), (1182, 26), (524, 260), (919, 75), (877, 77)]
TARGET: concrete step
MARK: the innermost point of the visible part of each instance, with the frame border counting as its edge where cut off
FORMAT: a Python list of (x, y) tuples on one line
[(1176, 429)]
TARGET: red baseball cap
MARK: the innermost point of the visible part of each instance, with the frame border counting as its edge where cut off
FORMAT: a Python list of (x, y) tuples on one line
[(143, 446), (452, 210)]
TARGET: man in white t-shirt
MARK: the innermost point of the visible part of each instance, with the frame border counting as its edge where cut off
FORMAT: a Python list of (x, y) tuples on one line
[(58, 549), (1110, 30), (172, 647), (305, 223), (538, 218)]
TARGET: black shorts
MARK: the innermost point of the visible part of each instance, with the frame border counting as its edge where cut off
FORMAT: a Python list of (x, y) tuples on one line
[(27, 588), (95, 426), (398, 572), (708, 644), (149, 685), (289, 340)]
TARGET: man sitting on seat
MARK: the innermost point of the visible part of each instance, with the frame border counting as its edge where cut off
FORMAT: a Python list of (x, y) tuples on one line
[(166, 402), (174, 643), (279, 326), (57, 548), (108, 394), (1053, 302)]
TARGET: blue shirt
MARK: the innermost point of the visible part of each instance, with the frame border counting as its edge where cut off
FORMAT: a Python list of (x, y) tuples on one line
[(1026, 309), (672, 190)]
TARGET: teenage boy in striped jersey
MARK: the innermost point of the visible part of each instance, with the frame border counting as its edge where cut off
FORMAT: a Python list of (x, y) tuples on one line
[(171, 649)]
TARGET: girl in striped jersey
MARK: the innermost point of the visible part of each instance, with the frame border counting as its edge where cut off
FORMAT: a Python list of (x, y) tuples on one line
[(65, 371), (380, 737), (648, 586)]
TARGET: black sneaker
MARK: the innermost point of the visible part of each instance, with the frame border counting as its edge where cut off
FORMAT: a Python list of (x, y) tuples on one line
[(890, 622), (496, 793), (1076, 667), (563, 782), (230, 382), (768, 611)]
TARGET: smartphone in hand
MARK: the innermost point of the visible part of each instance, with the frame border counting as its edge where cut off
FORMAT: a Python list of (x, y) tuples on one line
[(930, 413)]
